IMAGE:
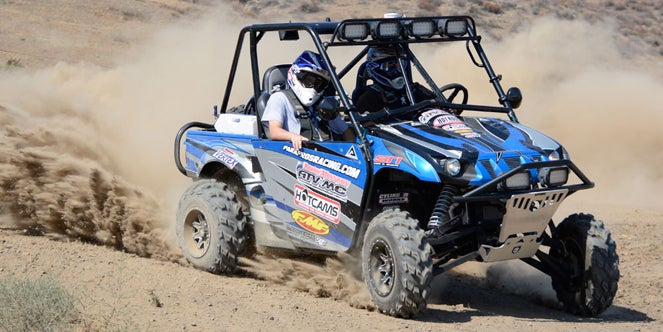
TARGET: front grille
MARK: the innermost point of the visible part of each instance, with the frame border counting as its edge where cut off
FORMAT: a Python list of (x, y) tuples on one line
[(486, 164), (512, 162)]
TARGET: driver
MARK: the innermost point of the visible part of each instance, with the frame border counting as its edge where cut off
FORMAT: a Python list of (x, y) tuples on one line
[(388, 87), (307, 78)]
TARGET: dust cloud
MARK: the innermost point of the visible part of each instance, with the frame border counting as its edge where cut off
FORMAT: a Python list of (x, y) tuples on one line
[(337, 277), (600, 101), (87, 151)]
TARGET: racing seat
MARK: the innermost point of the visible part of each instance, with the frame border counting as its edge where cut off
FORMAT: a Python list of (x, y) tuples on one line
[(360, 84), (273, 80)]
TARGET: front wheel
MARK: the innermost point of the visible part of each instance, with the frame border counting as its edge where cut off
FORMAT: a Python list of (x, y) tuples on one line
[(211, 227), (397, 264), (588, 259)]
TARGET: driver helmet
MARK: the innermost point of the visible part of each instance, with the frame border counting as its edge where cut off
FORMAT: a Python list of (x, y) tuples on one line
[(308, 77), (382, 66)]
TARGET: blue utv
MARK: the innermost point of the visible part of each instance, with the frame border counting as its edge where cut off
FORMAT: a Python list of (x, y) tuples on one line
[(424, 188)]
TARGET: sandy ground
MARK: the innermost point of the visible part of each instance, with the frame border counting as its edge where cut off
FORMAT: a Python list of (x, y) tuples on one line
[(86, 158)]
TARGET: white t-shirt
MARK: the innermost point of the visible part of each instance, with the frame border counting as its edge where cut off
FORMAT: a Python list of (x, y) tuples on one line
[(279, 108)]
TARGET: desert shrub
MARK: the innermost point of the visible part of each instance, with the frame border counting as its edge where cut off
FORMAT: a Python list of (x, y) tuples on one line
[(430, 6), (492, 7), (311, 7), (41, 304), (13, 63)]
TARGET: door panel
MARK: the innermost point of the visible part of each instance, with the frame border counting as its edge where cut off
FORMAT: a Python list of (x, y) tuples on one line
[(313, 195)]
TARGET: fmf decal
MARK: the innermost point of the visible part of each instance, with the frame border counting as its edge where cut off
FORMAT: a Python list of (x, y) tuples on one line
[(310, 222), (324, 162), (305, 236), (394, 198), (323, 180), (225, 156), (315, 203), (387, 160)]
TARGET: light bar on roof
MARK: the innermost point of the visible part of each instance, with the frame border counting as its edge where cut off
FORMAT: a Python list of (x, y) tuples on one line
[(453, 27), (423, 28), (355, 31), (389, 29)]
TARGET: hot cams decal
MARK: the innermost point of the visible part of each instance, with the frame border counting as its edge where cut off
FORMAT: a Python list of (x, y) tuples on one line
[(315, 203), (448, 122), (325, 162), (226, 157), (323, 181), (310, 222)]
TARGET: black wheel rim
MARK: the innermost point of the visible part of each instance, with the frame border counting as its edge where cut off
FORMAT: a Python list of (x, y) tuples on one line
[(381, 268)]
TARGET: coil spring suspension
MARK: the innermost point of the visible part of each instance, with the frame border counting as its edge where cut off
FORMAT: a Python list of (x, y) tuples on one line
[(440, 215)]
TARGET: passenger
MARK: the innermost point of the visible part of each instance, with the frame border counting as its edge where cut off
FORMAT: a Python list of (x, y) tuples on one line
[(307, 78), (388, 87)]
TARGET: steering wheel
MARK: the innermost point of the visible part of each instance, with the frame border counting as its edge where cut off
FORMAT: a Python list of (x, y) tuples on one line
[(456, 88)]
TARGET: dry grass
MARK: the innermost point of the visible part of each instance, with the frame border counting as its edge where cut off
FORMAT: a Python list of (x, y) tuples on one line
[(41, 304)]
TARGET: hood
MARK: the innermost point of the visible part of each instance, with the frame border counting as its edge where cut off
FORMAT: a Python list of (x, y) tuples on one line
[(487, 146)]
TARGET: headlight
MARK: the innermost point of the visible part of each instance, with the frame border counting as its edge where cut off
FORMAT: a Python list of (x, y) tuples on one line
[(451, 166), (554, 155), (558, 154), (553, 176)]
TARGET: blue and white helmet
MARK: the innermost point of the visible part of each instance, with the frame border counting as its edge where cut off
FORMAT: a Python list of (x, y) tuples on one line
[(308, 77), (382, 66)]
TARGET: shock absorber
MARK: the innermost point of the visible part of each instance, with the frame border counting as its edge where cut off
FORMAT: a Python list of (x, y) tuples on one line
[(440, 215)]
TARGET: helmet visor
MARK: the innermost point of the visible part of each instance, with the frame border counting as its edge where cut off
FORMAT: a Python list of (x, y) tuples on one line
[(391, 69), (312, 81)]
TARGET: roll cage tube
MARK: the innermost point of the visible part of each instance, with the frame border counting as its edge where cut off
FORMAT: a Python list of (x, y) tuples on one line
[(494, 79), (314, 30)]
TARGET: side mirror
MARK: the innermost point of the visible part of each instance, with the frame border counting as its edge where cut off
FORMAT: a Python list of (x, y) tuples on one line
[(514, 97)]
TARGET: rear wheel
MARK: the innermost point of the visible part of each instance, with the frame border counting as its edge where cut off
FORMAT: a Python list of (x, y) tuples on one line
[(588, 259), (211, 227), (397, 264)]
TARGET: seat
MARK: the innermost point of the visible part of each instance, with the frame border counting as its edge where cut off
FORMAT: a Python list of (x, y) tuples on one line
[(360, 83), (274, 79)]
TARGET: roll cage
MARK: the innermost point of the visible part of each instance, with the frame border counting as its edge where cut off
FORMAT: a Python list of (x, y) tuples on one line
[(404, 36)]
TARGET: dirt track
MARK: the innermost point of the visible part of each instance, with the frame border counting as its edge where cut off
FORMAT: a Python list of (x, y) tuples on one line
[(86, 152)]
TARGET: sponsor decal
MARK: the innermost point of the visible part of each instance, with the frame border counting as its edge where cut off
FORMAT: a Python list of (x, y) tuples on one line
[(426, 116), (226, 157), (305, 236), (323, 181), (394, 198), (315, 203), (310, 222), (387, 160), (447, 122), (325, 162), (351, 153)]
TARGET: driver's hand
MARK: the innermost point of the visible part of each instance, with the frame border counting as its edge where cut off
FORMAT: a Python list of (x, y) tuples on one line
[(297, 140)]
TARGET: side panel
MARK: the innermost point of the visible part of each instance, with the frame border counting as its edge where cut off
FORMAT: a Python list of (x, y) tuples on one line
[(313, 195), (233, 151)]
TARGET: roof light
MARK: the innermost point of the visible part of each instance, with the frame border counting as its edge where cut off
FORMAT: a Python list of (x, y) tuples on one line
[(354, 31), (422, 28), (453, 27), (389, 29)]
